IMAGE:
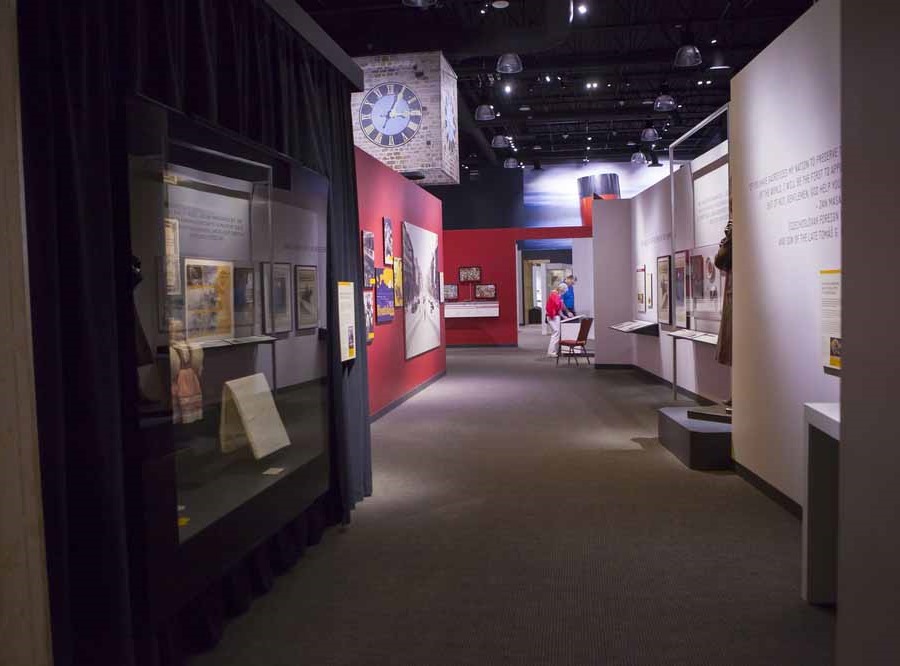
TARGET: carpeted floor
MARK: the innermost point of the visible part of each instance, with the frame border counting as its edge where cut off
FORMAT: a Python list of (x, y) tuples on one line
[(526, 514)]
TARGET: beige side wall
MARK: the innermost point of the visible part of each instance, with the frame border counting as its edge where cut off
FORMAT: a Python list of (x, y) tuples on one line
[(868, 614)]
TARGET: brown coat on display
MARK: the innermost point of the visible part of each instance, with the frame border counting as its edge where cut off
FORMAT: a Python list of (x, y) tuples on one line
[(723, 263)]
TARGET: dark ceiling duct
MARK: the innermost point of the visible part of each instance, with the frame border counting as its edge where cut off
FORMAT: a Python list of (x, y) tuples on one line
[(494, 41)]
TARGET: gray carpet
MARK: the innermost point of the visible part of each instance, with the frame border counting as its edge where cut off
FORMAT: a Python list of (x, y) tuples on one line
[(526, 514)]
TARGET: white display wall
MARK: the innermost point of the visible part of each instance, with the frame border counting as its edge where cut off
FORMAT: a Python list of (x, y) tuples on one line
[(612, 281), (785, 162)]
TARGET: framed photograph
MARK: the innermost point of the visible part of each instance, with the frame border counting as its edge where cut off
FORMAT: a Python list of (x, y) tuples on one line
[(277, 298), (698, 291), (306, 297), (388, 242), (649, 291), (421, 295), (664, 289), (470, 273), (244, 296), (208, 299), (384, 295), (368, 249), (369, 305), (640, 285), (398, 282), (680, 287), (487, 291), (451, 292)]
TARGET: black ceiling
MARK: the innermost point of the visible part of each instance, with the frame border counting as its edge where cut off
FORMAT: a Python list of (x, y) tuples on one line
[(627, 47)]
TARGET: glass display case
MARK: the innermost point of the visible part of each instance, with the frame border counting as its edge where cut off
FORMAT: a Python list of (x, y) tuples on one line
[(229, 253)]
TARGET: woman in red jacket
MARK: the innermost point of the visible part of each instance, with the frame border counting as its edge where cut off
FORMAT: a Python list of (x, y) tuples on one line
[(554, 308)]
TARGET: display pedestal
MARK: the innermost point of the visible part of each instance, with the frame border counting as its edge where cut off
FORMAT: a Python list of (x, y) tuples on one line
[(715, 413), (702, 445)]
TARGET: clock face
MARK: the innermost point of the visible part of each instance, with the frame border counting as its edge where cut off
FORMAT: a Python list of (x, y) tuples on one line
[(390, 114)]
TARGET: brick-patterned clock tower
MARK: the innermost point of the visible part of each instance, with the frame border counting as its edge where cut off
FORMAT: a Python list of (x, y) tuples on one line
[(407, 115)]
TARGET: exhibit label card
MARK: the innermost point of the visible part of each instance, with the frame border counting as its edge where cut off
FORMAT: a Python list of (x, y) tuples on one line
[(347, 320), (831, 317)]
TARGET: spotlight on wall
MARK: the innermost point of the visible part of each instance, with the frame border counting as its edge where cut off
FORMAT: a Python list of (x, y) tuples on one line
[(509, 63), (507, 89), (582, 9)]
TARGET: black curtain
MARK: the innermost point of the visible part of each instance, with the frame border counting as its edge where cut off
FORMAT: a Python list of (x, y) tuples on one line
[(232, 63)]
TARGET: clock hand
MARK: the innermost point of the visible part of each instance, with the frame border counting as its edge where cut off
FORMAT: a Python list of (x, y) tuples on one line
[(390, 113)]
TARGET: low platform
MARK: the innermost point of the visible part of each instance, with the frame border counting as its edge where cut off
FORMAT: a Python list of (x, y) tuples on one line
[(702, 445)]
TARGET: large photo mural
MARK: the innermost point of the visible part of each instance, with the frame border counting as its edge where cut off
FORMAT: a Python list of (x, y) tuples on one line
[(421, 290)]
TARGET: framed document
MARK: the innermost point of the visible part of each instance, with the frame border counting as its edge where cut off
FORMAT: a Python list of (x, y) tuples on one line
[(486, 291), (369, 305), (384, 295), (306, 297), (388, 242), (640, 284), (398, 282), (208, 299), (451, 292), (680, 287), (368, 249), (277, 298), (470, 274), (664, 291)]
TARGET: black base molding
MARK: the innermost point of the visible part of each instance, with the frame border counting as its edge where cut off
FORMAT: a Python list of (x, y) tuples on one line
[(699, 399), (769, 490), (399, 401)]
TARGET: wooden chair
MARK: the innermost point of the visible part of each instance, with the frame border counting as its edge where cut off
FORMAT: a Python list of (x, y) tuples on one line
[(572, 345)]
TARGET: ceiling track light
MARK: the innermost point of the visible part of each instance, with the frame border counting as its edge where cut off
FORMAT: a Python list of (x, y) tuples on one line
[(484, 112), (649, 134), (688, 55), (509, 63), (664, 102)]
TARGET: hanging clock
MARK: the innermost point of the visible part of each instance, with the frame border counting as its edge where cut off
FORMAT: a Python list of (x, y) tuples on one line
[(390, 114)]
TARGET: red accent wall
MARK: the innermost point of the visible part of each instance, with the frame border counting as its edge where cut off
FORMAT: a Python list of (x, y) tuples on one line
[(382, 192), (495, 251)]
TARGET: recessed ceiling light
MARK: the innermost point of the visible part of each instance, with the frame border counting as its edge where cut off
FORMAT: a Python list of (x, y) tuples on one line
[(590, 138), (547, 78), (484, 11), (500, 4), (609, 85), (507, 89), (538, 148), (497, 115), (524, 107), (709, 83), (714, 41), (588, 148)]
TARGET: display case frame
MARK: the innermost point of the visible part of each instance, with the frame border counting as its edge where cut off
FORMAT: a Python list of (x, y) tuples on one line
[(176, 561)]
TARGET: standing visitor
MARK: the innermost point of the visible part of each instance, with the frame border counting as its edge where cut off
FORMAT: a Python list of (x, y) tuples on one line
[(568, 298), (554, 307)]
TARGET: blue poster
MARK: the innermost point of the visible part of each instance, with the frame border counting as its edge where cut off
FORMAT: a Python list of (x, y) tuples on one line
[(384, 295)]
